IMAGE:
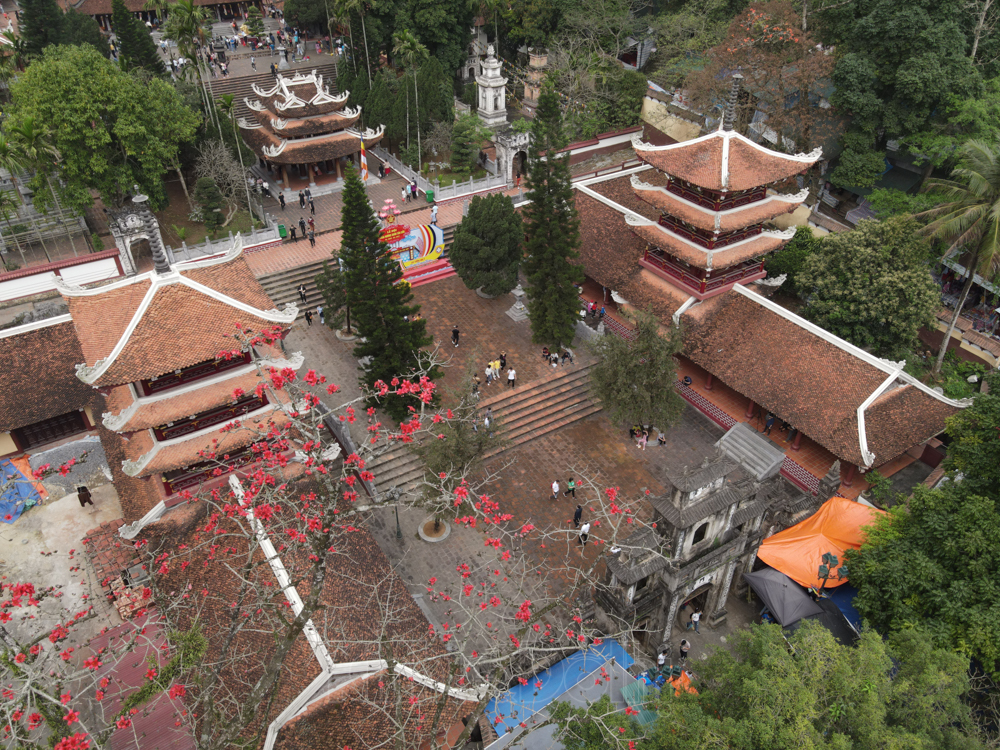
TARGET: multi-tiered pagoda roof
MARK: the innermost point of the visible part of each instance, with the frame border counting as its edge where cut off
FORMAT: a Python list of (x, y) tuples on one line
[(298, 121)]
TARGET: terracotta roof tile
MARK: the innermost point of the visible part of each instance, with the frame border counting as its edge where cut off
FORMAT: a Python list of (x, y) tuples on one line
[(100, 320), (699, 257), (157, 413), (804, 380), (234, 279), (754, 213), (700, 162), (194, 450), (38, 378), (308, 150), (297, 127), (181, 327), (137, 496)]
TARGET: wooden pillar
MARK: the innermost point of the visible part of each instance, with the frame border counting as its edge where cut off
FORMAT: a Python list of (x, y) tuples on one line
[(339, 175), (848, 476), (750, 407), (797, 441), (284, 174), (708, 382), (310, 168)]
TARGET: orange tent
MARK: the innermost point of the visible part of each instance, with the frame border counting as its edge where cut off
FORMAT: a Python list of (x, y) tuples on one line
[(682, 683), (798, 550)]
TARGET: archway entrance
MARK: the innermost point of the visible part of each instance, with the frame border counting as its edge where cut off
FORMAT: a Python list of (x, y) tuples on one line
[(520, 168), (142, 255), (696, 601)]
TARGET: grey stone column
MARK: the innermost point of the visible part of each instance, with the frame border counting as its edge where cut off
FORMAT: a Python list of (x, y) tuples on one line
[(719, 615)]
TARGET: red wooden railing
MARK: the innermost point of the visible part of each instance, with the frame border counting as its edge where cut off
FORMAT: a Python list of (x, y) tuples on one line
[(716, 200), (199, 371), (705, 238), (211, 417)]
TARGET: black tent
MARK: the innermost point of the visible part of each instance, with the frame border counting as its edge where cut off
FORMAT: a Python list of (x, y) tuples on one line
[(831, 618), (787, 601)]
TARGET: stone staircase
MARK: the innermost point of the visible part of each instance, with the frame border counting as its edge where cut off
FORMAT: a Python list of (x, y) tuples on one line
[(527, 413), (758, 455), (240, 86), (281, 285)]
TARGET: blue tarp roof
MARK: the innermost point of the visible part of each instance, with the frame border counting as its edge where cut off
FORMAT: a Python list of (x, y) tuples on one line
[(522, 701), (843, 597), (18, 492)]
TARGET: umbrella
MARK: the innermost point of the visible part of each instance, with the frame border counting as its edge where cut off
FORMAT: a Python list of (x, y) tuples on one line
[(787, 601)]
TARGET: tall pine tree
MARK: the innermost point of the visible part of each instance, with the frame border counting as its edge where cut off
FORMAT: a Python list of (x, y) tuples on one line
[(551, 229), (136, 48), (486, 251), (380, 306), (40, 25)]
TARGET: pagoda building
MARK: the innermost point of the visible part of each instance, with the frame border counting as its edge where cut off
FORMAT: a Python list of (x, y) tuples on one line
[(686, 234), (303, 130), (160, 349), (714, 195)]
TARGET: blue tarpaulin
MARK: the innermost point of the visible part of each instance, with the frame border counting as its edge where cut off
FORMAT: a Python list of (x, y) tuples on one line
[(18, 492), (843, 597), (521, 701)]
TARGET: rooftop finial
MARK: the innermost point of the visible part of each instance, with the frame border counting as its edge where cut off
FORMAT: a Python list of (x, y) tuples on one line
[(730, 116)]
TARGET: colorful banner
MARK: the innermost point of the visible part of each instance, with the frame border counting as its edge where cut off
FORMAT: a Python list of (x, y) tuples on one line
[(364, 162), (420, 244)]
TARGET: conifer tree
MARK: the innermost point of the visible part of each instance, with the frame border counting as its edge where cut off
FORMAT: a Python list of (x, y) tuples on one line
[(136, 48), (486, 251), (41, 25), (79, 28), (380, 305), (255, 23), (551, 229)]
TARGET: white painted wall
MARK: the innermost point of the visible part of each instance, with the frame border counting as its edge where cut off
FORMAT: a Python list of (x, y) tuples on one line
[(85, 272)]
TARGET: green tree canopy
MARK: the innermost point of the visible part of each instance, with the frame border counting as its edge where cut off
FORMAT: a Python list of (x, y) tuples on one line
[(486, 251), (968, 219), (209, 197), (255, 22), (552, 230), (380, 305), (974, 452), (40, 25), (761, 693), (332, 285), (135, 45), (79, 28), (466, 138), (934, 563), (112, 129), (790, 258), (629, 375), (872, 286)]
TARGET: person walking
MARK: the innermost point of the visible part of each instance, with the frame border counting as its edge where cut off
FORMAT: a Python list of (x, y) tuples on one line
[(768, 423), (302, 226), (253, 63), (454, 335), (476, 384), (577, 515), (83, 494), (434, 214), (281, 200), (413, 189), (302, 292), (309, 194), (302, 199), (555, 490), (312, 243), (312, 223), (291, 231), (312, 207), (570, 488), (511, 377), (643, 439), (503, 360), (319, 314), (694, 620), (405, 194), (489, 374), (584, 533), (684, 648), (661, 660), (309, 317)]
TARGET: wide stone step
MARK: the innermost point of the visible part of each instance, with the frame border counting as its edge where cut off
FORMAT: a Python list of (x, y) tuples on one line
[(530, 406), (521, 393), (757, 454)]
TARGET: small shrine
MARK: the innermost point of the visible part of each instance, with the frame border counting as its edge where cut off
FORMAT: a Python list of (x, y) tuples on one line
[(303, 133), (715, 195)]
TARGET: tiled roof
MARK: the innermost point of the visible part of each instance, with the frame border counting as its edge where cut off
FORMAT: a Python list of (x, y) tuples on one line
[(157, 413), (691, 479), (367, 612), (298, 127), (610, 254), (306, 150), (103, 7), (813, 384), (136, 496), (195, 450), (700, 257), (101, 319), (181, 325), (706, 161), (703, 218), (691, 513), (38, 377)]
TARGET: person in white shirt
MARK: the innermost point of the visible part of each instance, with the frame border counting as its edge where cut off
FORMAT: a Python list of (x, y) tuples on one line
[(511, 377), (555, 490), (584, 533), (693, 623)]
